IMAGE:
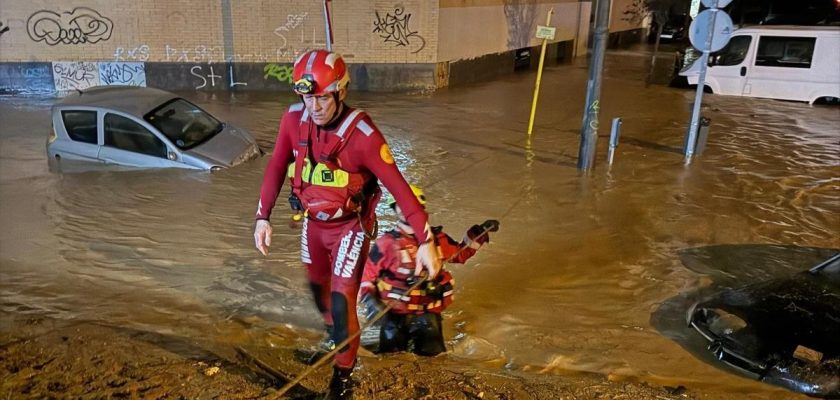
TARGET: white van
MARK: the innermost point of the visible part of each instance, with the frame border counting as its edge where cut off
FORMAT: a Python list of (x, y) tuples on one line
[(778, 62)]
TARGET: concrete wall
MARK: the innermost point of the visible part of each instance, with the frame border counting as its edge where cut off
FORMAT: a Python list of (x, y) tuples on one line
[(475, 28), (627, 15), (250, 44)]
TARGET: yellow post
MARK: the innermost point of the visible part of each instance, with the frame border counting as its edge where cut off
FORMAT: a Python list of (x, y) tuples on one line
[(544, 35)]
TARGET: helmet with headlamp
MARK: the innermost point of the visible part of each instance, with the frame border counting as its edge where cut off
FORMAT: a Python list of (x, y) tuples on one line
[(319, 72)]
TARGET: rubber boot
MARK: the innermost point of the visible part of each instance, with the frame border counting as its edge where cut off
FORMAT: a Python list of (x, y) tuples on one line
[(327, 344), (341, 384)]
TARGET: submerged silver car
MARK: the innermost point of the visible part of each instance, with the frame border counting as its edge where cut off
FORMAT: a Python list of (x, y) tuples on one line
[(144, 127)]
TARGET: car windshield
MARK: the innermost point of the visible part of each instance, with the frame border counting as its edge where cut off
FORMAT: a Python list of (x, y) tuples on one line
[(184, 123)]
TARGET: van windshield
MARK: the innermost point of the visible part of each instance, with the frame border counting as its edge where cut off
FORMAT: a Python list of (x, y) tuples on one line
[(734, 53), (184, 123)]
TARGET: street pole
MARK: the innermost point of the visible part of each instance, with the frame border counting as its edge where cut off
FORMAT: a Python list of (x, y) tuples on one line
[(589, 131), (691, 138), (328, 24)]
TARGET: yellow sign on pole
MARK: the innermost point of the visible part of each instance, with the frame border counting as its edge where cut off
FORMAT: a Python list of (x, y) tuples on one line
[(545, 33)]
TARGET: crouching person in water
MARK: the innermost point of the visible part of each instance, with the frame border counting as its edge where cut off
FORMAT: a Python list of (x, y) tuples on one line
[(414, 322)]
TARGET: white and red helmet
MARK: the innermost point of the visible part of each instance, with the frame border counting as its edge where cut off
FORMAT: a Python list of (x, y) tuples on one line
[(318, 72)]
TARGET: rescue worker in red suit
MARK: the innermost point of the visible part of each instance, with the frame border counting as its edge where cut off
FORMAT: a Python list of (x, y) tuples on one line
[(334, 156), (414, 322)]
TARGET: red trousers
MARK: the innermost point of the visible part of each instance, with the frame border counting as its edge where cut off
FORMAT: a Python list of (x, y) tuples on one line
[(335, 254)]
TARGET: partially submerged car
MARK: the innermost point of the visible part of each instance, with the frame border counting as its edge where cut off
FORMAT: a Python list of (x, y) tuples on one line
[(144, 127), (784, 331)]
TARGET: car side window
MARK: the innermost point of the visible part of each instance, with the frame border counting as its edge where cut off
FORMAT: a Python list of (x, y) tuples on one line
[(125, 134), (734, 52), (80, 125), (781, 51)]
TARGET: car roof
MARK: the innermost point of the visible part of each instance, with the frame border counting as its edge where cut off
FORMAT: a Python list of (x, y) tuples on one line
[(129, 99), (789, 29)]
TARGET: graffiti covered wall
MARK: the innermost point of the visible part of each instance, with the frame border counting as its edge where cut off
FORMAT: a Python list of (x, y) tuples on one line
[(196, 31)]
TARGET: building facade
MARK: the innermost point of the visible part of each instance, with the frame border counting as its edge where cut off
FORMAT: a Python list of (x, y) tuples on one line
[(48, 46)]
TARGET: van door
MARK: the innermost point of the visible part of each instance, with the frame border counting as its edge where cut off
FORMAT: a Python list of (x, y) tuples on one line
[(727, 67), (127, 142), (782, 68)]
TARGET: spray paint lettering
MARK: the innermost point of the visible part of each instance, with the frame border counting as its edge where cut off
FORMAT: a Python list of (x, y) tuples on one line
[(198, 54), (80, 26), (394, 28), (122, 73), (593, 112), (71, 75), (282, 73), (140, 53), (292, 21), (211, 76)]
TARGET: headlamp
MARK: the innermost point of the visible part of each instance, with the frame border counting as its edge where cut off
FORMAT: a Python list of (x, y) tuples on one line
[(304, 86)]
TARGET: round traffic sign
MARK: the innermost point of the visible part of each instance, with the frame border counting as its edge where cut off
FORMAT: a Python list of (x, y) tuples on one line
[(699, 30), (720, 3)]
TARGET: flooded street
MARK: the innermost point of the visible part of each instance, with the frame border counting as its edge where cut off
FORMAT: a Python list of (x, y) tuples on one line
[(574, 281)]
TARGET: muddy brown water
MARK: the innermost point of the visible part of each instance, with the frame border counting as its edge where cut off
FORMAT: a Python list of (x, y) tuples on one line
[(570, 283)]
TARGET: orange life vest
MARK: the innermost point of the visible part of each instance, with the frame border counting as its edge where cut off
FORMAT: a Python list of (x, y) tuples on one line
[(393, 284)]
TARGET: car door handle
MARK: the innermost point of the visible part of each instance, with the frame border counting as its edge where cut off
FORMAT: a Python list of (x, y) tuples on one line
[(743, 71)]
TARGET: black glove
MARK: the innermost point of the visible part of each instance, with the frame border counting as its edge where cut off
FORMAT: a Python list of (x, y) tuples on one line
[(371, 306), (491, 225)]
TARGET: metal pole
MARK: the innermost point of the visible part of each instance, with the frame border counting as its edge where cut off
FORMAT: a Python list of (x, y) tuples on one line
[(691, 138), (589, 131), (328, 24), (614, 133), (539, 77)]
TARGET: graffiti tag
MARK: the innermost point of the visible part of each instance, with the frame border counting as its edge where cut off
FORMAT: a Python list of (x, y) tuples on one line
[(3, 29), (292, 21), (140, 53), (198, 54), (80, 26), (198, 72), (282, 73), (394, 29), (70, 75), (122, 73)]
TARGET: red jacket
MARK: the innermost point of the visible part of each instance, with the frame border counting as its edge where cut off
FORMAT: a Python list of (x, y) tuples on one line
[(365, 151), (391, 264)]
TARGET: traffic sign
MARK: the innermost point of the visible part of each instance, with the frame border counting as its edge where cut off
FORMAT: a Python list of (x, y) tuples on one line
[(720, 3), (699, 30)]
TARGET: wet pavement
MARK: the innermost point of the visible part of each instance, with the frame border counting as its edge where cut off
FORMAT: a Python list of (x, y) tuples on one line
[(574, 281)]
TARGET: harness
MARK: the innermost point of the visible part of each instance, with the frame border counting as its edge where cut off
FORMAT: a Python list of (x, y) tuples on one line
[(393, 283), (324, 191)]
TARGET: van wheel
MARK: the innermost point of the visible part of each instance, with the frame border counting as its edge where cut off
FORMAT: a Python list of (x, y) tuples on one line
[(708, 89)]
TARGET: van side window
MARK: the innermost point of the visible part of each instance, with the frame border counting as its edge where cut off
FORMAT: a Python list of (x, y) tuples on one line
[(734, 53), (80, 125), (125, 134), (780, 51)]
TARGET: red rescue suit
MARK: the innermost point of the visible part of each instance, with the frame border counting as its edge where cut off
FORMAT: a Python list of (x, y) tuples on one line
[(390, 269), (414, 322), (348, 156)]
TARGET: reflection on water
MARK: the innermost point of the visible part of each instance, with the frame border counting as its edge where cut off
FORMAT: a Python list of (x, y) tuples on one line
[(568, 284)]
